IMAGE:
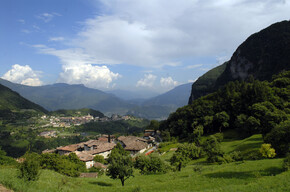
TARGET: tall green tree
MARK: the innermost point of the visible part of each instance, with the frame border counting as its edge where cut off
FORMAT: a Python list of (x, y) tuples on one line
[(183, 154), (121, 164), (212, 148)]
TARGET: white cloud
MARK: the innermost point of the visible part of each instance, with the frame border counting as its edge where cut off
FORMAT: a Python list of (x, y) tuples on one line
[(147, 81), (78, 68), (192, 80), (23, 75), (22, 21), (89, 75), (25, 31), (47, 17), (153, 33), (194, 66), (56, 38), (168, 82)]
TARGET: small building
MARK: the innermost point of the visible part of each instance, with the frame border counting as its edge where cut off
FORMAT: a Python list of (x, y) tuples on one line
[(69, 149), (134, 144), (103, 149), (48, 134), (87, 158)]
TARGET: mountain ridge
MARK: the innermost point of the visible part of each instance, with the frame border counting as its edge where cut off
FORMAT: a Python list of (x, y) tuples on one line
[(261, 55)]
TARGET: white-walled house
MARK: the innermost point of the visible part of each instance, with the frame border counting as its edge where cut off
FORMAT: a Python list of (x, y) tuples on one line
[(87, 158)]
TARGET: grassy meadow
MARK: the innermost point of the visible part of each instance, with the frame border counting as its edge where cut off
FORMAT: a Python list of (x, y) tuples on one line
[(259, 175)]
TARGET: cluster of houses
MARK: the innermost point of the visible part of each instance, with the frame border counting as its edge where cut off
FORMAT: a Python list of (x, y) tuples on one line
[(76, 121), (86, 151), (48, 134)]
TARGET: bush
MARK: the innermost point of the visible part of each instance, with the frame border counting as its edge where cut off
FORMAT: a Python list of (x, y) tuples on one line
[(251, 154), (236, 156), (29, 168), (98, 170), (286, 162), (279, 138), (67, 165), (150, 165), (5, 160), (267, 151)]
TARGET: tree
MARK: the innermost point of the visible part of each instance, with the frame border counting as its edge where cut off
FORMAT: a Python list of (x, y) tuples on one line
[(121, 164), (212, 148), (117, 150), (99, 158), (221, 120), (121, 167), (29, 168), (183, 154), (196, 135), (150, 164), (179, 160), (279, 138), (154, 125)]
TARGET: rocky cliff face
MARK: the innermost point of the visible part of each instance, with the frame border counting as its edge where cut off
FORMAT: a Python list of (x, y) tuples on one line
[(262, 55)]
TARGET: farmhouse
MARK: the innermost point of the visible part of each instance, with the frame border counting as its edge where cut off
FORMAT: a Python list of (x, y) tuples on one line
[(69, 149), (85, 157), (134, 144)]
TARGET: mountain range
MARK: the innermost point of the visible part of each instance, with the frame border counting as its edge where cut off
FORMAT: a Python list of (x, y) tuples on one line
[(64, 96)]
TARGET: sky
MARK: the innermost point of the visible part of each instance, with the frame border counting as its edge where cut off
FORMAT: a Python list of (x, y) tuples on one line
[(145, 45)]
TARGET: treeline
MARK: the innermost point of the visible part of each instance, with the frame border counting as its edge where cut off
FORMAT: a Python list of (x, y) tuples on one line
[(250, 107)]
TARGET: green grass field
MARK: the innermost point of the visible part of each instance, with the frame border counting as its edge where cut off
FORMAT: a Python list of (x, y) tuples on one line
[(257, 176)]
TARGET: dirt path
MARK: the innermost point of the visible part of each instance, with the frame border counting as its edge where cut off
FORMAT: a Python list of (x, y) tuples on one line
[(3, 189)]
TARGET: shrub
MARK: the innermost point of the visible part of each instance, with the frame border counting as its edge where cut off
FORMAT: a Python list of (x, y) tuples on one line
[(286, 162), (5, 160), (29, 168), (251, 154), (150, 165), (227, 158), (67, 165), (236, 156), (267, 151), (98, 170), (279, 138)]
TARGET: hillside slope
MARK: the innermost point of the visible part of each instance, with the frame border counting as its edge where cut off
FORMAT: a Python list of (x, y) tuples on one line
[(262, 55), (10, 100), (206, 83)]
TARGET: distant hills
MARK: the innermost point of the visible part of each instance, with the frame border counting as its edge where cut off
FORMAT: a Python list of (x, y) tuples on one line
[(64, 96), (173, 98), (13, 102), (263, 54)]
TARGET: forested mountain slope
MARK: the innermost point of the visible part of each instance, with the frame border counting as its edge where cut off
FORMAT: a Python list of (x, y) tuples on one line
[(262, 55)]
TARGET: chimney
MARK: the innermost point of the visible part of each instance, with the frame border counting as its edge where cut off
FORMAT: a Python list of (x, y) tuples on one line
[(109, 138)]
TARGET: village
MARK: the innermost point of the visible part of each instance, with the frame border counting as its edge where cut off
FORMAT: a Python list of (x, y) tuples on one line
[(59, 121), (103, 145)]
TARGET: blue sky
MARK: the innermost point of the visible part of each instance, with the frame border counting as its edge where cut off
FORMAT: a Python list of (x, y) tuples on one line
[(151, 45)]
